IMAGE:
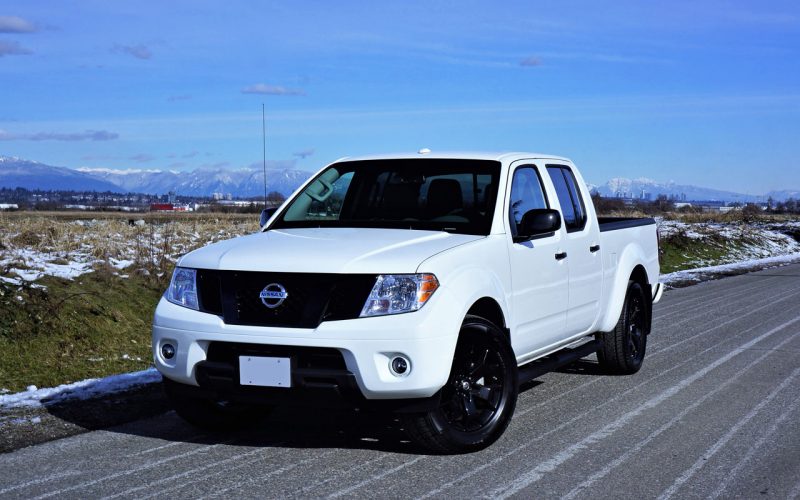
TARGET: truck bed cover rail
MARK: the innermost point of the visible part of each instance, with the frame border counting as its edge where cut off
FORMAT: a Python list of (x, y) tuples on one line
[(614, 223)]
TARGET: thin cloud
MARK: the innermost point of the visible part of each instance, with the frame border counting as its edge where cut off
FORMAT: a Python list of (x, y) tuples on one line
[(175, 98), (12, 49), (138, 51), (86, 135), (531, 61), (304, 153), (264, 89), (14, 24), (142, 158), (274, 164)]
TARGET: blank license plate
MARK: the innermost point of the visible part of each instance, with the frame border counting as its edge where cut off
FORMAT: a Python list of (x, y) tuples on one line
[(265, 372)]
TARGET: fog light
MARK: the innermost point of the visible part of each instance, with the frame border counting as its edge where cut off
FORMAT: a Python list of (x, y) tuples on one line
[(400, 366), (168, 351)]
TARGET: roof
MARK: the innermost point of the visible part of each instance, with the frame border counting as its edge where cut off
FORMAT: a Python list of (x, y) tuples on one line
[(458, 155)]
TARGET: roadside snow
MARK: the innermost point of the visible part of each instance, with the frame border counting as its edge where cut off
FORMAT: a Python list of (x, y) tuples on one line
[(705, 273), (37, 264), (85, 389)]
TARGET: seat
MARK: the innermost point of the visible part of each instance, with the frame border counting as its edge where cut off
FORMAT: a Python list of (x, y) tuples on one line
[(399, 201), (444, 197)]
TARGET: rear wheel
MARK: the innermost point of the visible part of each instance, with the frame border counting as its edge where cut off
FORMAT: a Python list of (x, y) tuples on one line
[(213, 414), (624, 347), (480, 395)]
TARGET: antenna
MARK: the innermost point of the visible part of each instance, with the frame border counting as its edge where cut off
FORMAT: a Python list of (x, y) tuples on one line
[(264, 144)]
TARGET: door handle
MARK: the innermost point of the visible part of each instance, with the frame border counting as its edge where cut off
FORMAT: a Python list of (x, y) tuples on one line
[(561, 255), (594, 248)]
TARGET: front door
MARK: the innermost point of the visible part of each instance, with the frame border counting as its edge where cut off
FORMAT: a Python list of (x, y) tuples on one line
[(539, 280)]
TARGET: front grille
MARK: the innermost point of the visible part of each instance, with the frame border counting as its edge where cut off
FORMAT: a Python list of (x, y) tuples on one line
[(312, 298)]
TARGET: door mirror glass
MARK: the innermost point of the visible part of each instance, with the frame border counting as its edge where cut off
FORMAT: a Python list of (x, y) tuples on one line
[(266, 214), (537, 223)]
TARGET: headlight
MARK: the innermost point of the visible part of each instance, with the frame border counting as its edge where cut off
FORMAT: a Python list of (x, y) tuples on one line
[(183, 288), (399, 293)]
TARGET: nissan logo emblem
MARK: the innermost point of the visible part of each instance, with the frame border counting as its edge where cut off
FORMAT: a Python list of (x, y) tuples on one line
[(273, 295)]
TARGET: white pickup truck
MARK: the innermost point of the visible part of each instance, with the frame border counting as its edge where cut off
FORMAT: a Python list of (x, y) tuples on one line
[(427, 284)]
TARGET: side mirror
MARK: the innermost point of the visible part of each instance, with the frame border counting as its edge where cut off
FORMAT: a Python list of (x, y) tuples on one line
[(538, 222), (266, 214)]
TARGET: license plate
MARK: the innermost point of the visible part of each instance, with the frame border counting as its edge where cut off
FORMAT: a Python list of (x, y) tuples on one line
[(265, 372)]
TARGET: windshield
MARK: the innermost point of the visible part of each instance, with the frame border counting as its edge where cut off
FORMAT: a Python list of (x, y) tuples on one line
[(428, 194)]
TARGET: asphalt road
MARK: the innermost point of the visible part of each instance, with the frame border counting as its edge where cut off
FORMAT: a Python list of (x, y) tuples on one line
[(714, 412)]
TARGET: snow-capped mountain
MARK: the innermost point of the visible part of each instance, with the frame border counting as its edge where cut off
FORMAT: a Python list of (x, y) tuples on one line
[(248, 181), (242, 182), (648, 188), (17, 172)]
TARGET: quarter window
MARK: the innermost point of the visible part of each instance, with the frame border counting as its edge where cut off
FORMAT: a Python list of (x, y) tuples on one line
[(572, 207)]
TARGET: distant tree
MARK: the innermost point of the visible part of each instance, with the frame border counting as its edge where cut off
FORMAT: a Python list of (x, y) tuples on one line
[(751, 212), (664, 204), (275, 198), (604, 205)]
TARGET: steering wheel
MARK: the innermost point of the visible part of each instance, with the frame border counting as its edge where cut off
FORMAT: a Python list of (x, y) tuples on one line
[(320, 197)]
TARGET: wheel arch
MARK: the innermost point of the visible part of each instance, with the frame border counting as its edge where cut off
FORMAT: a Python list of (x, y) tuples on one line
[(638, 274), (490, 310)]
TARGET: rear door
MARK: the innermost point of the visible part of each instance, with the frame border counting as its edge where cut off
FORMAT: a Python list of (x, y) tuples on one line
[(539, 280), (582, 244)]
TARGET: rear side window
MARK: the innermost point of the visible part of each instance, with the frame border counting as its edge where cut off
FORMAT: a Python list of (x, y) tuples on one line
[(526, 194), (573, 209)]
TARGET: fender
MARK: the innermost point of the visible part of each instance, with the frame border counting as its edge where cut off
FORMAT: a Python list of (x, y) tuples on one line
[(632, 256), (471, 272)]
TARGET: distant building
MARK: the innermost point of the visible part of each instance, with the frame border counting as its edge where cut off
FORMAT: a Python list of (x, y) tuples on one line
[(162, 207)]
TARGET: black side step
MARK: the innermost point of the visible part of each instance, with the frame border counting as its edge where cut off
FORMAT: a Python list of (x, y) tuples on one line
[(556, 360)]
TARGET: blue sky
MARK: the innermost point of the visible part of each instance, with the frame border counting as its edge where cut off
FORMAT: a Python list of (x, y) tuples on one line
[(705, 93)]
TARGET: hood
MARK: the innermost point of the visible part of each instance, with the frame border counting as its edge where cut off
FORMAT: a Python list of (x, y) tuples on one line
[(326, 250)]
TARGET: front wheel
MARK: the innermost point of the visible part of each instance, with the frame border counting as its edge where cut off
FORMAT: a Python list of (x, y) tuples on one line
[(480, 395), (624, 347)]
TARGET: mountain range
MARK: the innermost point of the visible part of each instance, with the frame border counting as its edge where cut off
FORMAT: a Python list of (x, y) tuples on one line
[(248, 182), (241, 182), (648, 188)]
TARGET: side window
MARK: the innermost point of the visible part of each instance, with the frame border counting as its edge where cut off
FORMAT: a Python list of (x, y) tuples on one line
[(573, 209), (526, 194)]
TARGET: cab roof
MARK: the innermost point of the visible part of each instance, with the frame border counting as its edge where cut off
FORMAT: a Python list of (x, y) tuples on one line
[(502, 156)]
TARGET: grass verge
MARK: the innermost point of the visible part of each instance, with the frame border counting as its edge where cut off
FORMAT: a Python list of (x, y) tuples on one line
[(62, 331)]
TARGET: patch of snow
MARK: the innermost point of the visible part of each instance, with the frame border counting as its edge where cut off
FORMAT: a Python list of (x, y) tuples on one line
[(704, 273), (85, 389), (120, 263), (11, 281)]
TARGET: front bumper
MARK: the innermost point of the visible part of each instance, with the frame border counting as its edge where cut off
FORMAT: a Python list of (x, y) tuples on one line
[(426, 337)]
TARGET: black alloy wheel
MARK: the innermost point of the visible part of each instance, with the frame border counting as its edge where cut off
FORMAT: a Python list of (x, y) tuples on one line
[(480, 395), (624, 347)]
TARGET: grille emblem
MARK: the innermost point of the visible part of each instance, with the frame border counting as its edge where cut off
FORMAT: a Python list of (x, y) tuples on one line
[(273, 295)]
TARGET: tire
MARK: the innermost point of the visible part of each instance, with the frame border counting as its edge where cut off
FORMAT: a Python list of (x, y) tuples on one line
[(212, 414), (624, 347), (479, 398)]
